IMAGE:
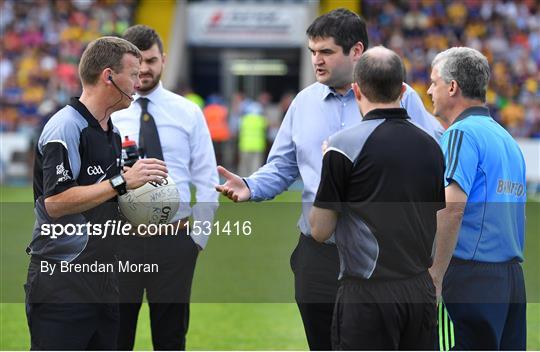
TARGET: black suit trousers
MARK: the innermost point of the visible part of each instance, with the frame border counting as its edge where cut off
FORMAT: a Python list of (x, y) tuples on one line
[(167, 291), (316, 269)]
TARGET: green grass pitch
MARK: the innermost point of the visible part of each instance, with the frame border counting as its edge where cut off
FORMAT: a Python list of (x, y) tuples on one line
[(227, 325)]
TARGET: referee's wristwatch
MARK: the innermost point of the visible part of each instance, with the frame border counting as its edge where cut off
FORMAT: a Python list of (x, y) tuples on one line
[(118, 182)]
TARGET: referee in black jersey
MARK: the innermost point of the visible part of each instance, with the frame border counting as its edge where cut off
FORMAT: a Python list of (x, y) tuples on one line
[(381, 187), (77, 177)]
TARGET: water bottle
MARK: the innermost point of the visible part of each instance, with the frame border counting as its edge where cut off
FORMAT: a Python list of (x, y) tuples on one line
[(130, 153)]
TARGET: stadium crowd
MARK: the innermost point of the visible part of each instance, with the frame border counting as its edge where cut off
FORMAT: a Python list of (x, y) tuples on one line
[(42, 42), (507, 32)]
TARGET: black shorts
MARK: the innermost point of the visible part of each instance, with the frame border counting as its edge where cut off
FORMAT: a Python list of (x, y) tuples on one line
[(71, 311), (73, 326), (387, 315)]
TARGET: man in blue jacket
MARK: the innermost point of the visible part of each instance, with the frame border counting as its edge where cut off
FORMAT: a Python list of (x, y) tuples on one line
[(481, 232)]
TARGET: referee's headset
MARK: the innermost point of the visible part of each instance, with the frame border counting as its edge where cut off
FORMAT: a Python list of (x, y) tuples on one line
[(120, 90), (118, 152)]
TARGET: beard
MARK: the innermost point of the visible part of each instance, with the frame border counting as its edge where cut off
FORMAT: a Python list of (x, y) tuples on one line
[(148, 86)]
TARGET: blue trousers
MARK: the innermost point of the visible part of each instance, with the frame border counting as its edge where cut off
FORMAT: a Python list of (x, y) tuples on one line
[(487, 305)]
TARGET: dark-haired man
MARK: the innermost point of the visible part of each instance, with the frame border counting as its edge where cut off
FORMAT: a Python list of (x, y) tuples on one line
[(171, 128), (77, 176), (336, 41), (381, 198)]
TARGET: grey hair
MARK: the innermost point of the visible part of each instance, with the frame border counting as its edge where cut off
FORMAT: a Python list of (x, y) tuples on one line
[(468, 67)]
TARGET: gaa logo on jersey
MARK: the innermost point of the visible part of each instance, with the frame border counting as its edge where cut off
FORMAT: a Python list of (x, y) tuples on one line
[(94, 170), (62, 172)]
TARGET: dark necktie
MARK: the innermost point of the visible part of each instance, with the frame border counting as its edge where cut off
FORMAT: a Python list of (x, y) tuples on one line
[(148, 134)]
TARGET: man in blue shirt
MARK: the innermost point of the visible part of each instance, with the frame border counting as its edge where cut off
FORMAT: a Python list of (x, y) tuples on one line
[(481, 232), (336, 41)]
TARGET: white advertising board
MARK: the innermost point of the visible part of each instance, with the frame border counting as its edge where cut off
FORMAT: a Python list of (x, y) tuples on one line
[(234, 24)]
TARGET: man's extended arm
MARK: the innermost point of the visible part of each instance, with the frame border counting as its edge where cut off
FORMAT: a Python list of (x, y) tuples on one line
[(272, 178)]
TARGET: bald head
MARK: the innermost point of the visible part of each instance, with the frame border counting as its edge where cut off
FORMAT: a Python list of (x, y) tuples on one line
[(380, 52), (380, 74)]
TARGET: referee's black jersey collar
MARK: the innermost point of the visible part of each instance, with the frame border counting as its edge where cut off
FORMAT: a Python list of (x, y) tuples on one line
[(474, 110), (394, 113), (76, 104)]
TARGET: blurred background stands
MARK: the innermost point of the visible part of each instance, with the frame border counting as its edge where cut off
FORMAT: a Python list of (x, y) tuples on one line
[(262, 59)]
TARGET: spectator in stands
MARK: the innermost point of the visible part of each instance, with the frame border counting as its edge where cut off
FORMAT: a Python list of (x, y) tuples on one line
[(252, 139), (273, 115), (505, 31), (41, 44), (216, 115), (189, 94), (237, 109)]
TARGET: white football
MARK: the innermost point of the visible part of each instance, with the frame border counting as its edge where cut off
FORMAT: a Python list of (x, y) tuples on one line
[(151, 203)]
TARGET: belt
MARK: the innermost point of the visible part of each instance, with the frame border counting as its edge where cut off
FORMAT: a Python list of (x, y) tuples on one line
[(366, 281), (459, 261)]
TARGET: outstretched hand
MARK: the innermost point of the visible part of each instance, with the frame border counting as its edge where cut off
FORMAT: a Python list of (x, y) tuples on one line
[(234, 187)]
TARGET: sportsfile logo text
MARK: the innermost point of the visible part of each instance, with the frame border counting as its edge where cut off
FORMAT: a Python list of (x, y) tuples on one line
[(119, 228), (110, 227)]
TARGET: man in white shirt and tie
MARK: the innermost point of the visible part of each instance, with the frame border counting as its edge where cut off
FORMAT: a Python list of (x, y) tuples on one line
[(165, 126)]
